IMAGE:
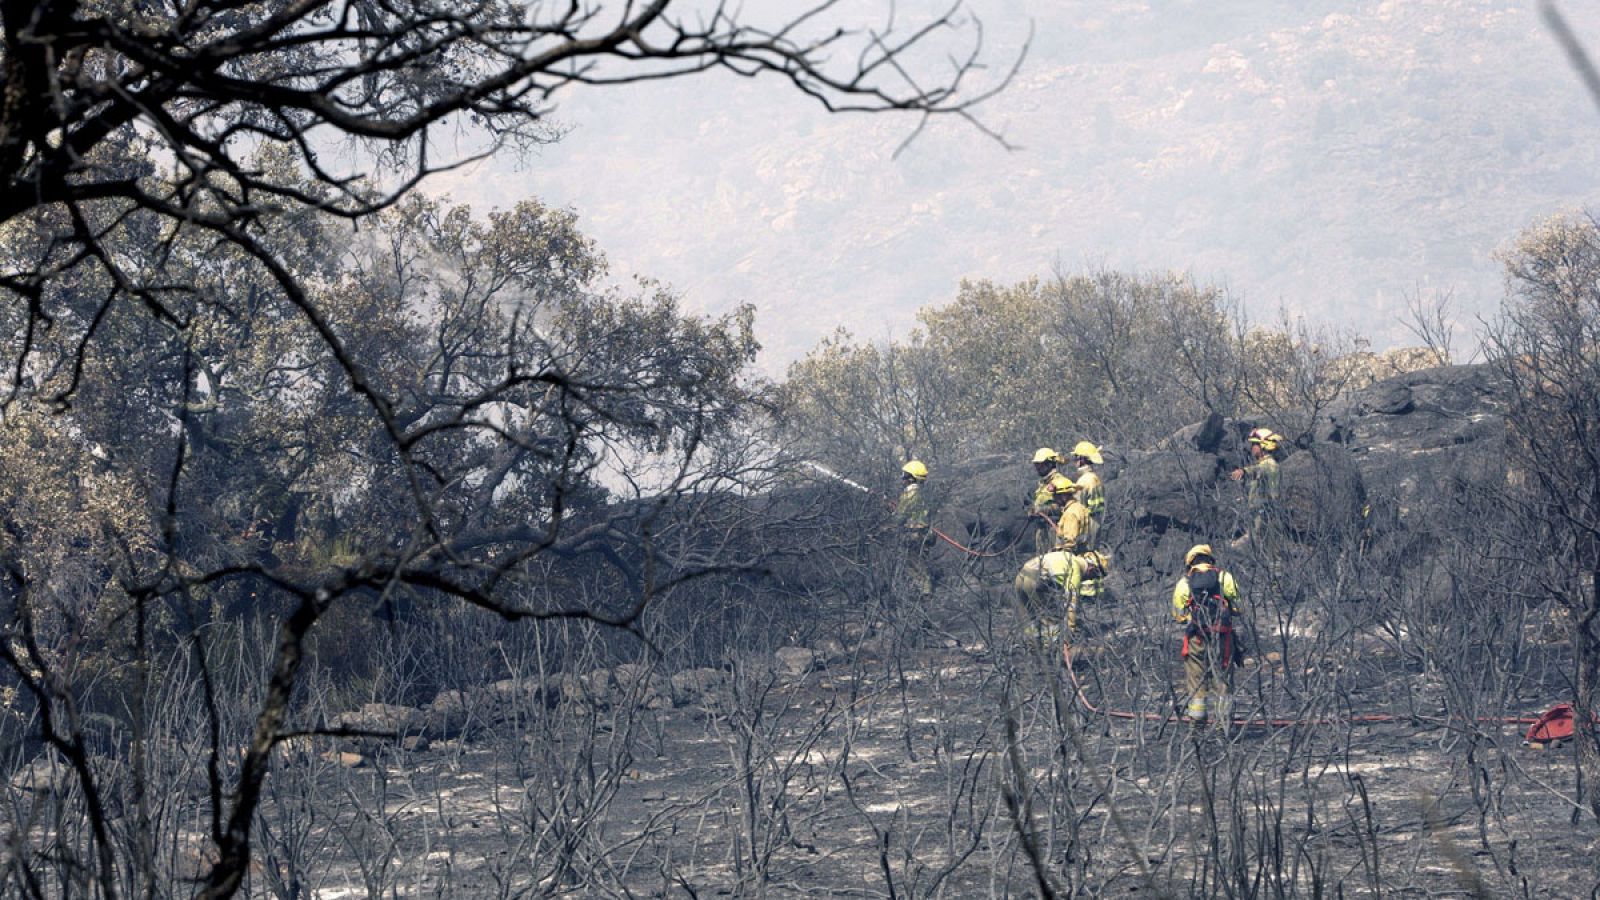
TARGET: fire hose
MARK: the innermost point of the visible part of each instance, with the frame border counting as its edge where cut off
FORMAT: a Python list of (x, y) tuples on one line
[(970, 551), (1367, 719)]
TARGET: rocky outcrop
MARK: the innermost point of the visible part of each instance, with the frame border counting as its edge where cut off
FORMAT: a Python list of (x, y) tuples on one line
[(1415, 433), (981, 503), (1382, 455), (1387, 454)]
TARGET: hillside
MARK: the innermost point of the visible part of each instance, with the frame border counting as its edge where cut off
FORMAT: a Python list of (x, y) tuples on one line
[(1332, 157), (844, 736)]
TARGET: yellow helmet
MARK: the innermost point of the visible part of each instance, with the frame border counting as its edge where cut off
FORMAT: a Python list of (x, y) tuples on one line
[(1266, 438), (1098, 560), (916, 469), (1196, 552), (1045, 454), (1088, 451)]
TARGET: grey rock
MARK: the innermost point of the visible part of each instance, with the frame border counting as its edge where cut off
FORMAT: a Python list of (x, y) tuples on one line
[(447, 716), (697, 685), (830, 650), (641, 685), (379, 718), (795, 661), (987, 509), (1208, 437), (1452, 434), (44, 774), (515, 699), (1393, 451), (1170, 488), (1389, 399), (1323, 491), (590, 688)]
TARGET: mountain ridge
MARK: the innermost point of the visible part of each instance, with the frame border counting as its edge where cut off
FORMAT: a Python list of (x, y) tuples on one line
[(1333, 161)]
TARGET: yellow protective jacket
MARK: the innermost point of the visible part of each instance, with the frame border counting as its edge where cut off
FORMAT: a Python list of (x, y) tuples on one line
[(1064, 570), (1180, 594), (912, 510), (1044, 494), (1093, 491), (1264, 479), (1072, 530), (1057, 566)]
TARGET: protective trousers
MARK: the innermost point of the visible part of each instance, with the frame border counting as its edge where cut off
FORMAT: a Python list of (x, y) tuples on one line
[(1087, 593), (1208, 676), (917, 545)]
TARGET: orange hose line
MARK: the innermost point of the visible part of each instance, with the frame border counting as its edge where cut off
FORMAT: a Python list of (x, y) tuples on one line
[(1021, 533), (1368, 718), (972, 552)]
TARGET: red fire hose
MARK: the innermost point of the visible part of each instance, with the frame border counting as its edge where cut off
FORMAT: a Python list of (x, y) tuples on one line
[(1548, 725)]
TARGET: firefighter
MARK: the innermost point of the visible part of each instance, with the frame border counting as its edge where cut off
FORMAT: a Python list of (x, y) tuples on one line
[(1090, 487), (1041, 585), (1042, 507), (1074, 529), (911, 514), (912, 509), (1058, 577), (1262, 492), (1206, 602)]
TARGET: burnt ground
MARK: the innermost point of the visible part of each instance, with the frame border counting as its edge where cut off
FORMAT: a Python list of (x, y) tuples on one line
[(938, 751)]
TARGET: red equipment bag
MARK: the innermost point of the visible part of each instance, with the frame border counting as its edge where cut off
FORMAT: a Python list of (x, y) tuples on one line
[(1554, 725)]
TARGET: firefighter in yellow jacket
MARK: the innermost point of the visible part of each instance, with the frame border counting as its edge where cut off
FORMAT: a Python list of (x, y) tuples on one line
[(1090, 487), (1263, 481), (1042, 508), (911, 514), (1058, 577), (1075, 528), (911, 511), (1040, 585), (1206, 602)]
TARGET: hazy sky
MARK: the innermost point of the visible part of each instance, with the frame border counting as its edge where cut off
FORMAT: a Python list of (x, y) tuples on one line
[(1328, 158)]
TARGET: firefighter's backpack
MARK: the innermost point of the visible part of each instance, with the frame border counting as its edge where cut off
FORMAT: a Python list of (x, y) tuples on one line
[(1208, 608)]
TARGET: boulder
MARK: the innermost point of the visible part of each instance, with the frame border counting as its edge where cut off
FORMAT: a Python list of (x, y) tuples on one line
[(795, 661), (44, 774), (589, 688), (986, 508), (1392, 398), (1414, 436), (1382, 455), (517, 698), (1323, 491), (1208, 436), (377, 718), (641, 685), (698, 685), (1174, 488), (447, 716), (830, 650), (345, 758)]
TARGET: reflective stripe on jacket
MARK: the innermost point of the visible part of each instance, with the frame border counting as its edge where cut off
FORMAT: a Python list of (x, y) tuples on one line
[(1092, 490)]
